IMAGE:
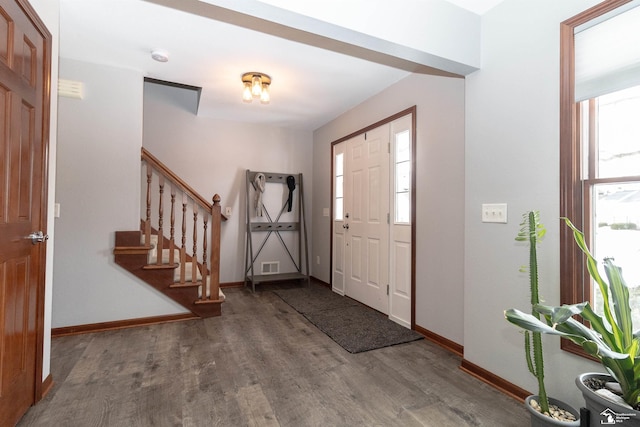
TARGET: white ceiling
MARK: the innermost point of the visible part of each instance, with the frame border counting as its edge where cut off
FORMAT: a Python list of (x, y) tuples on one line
[(311, 85), (476, 6)]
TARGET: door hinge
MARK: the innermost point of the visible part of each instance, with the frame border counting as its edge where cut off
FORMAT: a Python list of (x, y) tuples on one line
[(388, 218), (387, 289), (388, 148)]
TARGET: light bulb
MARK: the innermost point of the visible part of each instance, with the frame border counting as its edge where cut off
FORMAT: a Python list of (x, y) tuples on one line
[(246, 92), (264, 96), (256, 85)]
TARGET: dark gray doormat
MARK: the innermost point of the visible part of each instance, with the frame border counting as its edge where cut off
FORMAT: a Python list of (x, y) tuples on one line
[(355, 327)]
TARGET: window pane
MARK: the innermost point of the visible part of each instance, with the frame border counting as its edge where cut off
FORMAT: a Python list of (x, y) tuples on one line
[(338, 213), (403, 176), (619, 133), (403, 207), (617, 235), (609, 156), (339, 187), (402, 147), (340, 164), (617, 226)]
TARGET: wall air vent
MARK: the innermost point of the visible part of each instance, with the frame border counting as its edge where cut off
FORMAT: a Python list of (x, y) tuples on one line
[(271, 267), (70, 89)]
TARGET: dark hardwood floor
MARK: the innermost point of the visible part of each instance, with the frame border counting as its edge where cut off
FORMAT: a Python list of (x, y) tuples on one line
[(260, 364)]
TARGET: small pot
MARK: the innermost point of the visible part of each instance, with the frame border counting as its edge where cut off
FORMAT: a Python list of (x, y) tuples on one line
[(604, 411), (541, 420)]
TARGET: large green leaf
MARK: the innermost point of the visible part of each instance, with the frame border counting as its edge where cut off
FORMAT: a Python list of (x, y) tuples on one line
[(530, 322), (560, 314), (622, 369), (577, 332), (602, 327), (592, 267), (618, 346), (620, 298), (581, 332)]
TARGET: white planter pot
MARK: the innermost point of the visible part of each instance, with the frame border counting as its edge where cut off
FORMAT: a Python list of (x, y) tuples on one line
[(603, 411), (540, 420)]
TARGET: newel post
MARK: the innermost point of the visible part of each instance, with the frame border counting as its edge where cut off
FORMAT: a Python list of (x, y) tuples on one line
[(216, 218)]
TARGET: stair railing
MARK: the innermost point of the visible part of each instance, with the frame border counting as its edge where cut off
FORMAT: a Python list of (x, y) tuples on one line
[(205, 259)]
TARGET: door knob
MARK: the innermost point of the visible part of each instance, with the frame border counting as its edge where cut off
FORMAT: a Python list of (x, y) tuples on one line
[(346, 226), (37, 237)]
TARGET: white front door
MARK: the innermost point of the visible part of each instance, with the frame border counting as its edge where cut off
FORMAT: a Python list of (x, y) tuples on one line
[(372, 218), (366, 212), (401, 247)]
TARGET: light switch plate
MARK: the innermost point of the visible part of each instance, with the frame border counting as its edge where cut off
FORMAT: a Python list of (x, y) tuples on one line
[(494, 212), (227, 211)]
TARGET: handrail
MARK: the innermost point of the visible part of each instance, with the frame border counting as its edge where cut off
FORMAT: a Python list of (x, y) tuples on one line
[(170, 175), (209, 265)]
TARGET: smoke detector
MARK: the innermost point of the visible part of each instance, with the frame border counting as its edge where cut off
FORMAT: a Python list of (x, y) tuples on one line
[(160, 55)]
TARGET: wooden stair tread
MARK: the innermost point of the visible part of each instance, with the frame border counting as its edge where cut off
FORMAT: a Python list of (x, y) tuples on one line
[(133, 255), (209, 301), (160, 266), (131, 250), (178, 285)]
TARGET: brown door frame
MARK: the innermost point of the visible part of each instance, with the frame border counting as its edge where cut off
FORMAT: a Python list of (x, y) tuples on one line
[(413, 112)]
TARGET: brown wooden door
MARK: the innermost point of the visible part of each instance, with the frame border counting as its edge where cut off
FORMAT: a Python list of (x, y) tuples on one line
[(24, 93)]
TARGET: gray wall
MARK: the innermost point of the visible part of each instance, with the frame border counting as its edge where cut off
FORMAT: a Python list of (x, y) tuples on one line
[(512, 156), (98, 184), (98, 175), (467, 270), (440, 191), (213, 155)]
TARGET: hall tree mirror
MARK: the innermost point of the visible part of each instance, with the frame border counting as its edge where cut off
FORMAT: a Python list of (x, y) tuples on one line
[(600, 147)]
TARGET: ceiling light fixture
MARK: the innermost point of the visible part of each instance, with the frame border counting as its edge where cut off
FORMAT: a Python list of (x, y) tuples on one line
[(160, 55), (256, 85)]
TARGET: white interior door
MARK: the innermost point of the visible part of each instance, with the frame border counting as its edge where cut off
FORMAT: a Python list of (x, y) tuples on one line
[(366, 210)]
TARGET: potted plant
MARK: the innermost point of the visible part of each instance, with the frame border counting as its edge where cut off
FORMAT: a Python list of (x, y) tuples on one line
[(609, 338), (543, 410)]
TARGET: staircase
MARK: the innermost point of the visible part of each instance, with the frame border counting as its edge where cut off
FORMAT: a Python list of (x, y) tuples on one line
[(191, 278)]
